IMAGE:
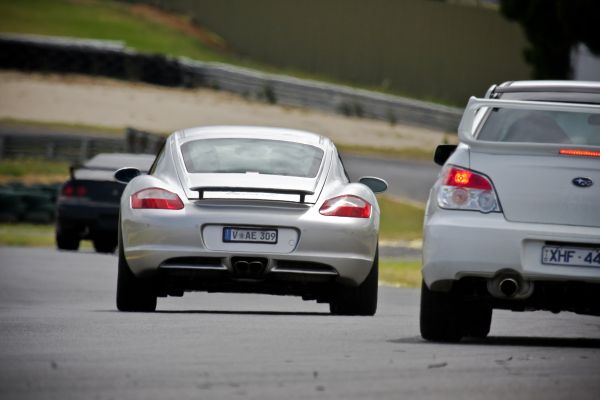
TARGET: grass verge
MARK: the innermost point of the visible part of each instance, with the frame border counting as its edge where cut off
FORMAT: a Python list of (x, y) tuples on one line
[(30, 235), (400, 273), (32, 171), (400, 220), (105, 20)]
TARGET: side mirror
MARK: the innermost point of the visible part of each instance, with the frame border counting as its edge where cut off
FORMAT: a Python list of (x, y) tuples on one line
[(377, 185), (124, 175), (443, 153)]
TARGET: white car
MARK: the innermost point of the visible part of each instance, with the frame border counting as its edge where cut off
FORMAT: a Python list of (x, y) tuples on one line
[(251, 210), (513, 221)]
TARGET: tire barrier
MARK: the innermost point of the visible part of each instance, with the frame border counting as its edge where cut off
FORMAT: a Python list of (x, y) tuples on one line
[(32, 204), (112, 59)]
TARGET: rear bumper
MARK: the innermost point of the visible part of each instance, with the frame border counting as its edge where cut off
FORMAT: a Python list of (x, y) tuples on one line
[(91, 216), (459, 244), (343, 249)]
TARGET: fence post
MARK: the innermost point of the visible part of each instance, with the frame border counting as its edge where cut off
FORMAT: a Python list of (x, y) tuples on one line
[(51, 150), (83, 151)]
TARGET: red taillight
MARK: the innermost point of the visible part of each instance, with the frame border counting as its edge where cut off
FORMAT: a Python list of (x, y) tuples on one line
[(346, 206), (579, 153), (70, 190), (156, 198), (463, 189), (467, 179)]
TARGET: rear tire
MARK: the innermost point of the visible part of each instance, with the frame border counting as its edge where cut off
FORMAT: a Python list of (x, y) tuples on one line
[(67, 241), (360, 300), (478, 320), (105, 244), (441, 316), (133, 294)]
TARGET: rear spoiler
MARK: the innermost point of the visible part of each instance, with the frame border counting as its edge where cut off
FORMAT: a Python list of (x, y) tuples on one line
[(469, 124), (202, 190), (75, 167)]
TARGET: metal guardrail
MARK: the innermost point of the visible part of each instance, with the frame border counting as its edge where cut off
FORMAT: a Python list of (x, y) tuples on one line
[(111, 59), (75, 148)]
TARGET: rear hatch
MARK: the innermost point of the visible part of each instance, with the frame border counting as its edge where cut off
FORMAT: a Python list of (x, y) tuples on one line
[(541, 189), (258, 169)]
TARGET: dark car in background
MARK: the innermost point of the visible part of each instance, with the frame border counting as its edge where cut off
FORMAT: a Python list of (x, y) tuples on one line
[(88, 204)]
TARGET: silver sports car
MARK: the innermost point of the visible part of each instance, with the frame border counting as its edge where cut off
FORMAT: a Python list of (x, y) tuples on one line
[(513, 221), (248, 209)]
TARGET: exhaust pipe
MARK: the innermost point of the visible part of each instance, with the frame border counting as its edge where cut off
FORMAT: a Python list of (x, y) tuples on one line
[(249, 267), (241, 267), (509, 287), (255, 267)]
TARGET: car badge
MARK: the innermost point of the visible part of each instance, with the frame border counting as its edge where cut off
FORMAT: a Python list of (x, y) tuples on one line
[(582, 182)]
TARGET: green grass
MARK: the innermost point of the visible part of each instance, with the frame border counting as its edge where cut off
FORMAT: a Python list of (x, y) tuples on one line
[(400, 273), (19, 168), (400, 220), (29, 235), (106, 20)]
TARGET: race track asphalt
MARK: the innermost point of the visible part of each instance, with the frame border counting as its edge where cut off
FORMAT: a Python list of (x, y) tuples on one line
[(62, 338)]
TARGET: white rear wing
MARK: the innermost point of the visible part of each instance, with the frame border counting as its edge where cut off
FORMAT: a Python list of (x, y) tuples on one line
[(471, 120)]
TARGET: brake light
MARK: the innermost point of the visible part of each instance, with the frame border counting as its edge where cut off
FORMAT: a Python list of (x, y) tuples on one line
[(346, 206), (465, 178), (463, 189), (579, 153), (70, 190), (156, 198)]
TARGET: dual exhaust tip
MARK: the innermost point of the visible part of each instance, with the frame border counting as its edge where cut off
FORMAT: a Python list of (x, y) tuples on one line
[(248, 267)]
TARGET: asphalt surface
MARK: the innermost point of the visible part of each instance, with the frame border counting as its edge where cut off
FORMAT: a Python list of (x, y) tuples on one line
[(61, 338)]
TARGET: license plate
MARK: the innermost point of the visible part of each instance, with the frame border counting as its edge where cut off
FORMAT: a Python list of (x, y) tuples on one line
[(249, 235), (575, 256)]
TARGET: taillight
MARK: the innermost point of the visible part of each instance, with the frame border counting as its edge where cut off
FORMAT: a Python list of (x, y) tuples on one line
[(156, 198), (346, 206), (463, 189), (68, 190), (71, 190)]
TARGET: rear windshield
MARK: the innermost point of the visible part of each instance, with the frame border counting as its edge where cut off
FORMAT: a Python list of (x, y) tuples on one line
[(271, 157), (533, 126)]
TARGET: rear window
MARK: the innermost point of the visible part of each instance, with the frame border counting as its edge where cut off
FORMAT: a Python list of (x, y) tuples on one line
[(533, 126), (271, 157)]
